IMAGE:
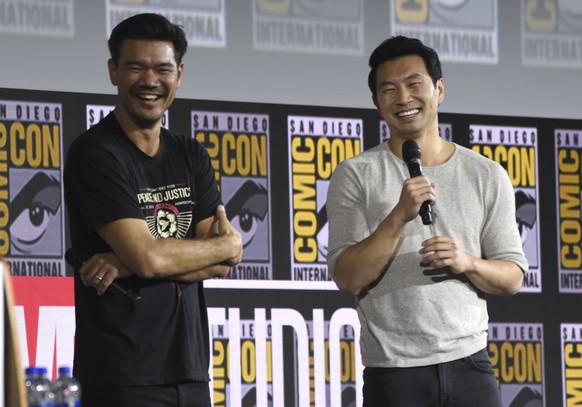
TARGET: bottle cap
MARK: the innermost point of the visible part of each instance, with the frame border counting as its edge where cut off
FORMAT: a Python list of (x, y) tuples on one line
[(64, 370), (31, 370)]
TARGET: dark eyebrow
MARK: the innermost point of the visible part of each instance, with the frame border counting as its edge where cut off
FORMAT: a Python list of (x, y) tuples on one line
[(167, 65), (385, 83), (414, 76), (141, 63), (411, 77)]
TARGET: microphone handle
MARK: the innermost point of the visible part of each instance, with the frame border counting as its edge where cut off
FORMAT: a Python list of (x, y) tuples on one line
[(76, 259), (425, 209), (426, 213)]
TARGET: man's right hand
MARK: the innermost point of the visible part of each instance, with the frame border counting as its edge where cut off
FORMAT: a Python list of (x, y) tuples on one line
[(233, 237), (101, 270), (415, 191)]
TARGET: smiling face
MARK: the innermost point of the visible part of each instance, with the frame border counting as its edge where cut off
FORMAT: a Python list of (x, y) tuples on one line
[(147, 77), (406, 97)]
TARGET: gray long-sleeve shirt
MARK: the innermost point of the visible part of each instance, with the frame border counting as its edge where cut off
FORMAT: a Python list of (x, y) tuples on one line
[(414, 316)]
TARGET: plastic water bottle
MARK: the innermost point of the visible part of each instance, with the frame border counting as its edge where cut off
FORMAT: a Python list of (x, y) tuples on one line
[(33, 387), (38, 387), (48, 384), (67, 389)]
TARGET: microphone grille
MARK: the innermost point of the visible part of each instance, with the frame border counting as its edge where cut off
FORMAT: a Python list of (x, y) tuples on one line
[(410, 150)]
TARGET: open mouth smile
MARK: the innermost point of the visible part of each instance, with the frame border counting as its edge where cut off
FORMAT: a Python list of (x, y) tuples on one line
[(408, 113), (148, 97)]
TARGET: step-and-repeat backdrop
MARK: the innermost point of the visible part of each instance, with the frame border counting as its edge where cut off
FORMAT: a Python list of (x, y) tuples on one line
[(281, 332)]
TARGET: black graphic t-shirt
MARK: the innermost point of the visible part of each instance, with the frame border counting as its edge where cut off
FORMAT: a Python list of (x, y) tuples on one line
[(164, 338)]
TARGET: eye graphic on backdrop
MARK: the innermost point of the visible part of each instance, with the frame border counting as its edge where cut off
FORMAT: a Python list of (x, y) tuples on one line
[(250, 398), (525, 213), (31, 211), (450, 3), (447, 10), (246, 209), (349, 397), (571, 14), (325, 8), (527, 397)]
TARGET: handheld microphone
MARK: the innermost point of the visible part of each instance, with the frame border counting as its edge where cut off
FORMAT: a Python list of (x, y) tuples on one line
[(76, 259), (411, 155)]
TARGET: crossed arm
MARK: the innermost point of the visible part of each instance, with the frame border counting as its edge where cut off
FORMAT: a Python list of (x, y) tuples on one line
[(216, 248)]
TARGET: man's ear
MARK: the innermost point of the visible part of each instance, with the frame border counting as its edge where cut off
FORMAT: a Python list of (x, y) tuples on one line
[(180, 72), (375, 100), (112, 68), (441, 90)]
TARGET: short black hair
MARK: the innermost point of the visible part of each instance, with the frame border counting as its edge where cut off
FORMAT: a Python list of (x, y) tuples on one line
[(400, 46), (147, 26)]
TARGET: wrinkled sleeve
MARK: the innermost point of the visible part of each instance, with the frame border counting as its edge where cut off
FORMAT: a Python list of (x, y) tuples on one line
[(501, 239), (346, 212), (208, 194), (97, 182)]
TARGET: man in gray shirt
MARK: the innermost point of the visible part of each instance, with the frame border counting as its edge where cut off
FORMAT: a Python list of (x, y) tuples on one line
[(420, 288)]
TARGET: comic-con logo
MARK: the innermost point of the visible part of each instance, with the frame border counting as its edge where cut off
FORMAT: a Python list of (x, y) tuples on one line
[(316, 146), (313, 26), (249, 357), (515, 148), (31, 210), (224, 367), (347, 363), (571, 341), (551, 31), (237, 144), (459, 30), (568, 149), (47, 18), (203, 21), (516, 354)]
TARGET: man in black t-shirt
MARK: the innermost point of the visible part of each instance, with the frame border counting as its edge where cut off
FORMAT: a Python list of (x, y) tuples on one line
[(144, 207)]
